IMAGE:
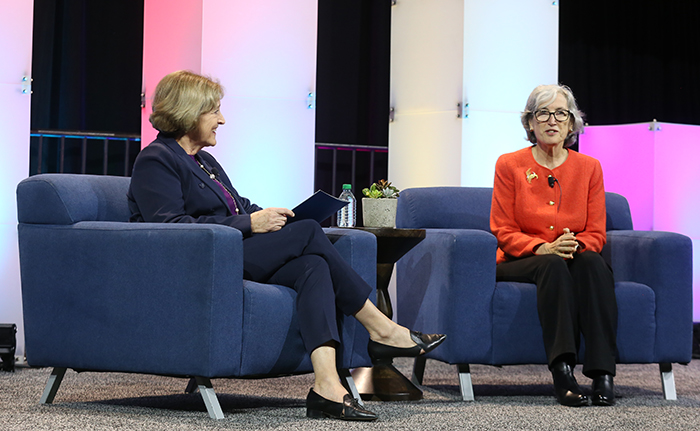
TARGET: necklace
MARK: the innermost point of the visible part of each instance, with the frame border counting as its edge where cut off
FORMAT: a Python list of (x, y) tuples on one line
[(223, 187)]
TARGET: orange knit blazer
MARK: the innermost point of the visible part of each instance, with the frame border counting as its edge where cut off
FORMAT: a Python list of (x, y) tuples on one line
[(527, 212)]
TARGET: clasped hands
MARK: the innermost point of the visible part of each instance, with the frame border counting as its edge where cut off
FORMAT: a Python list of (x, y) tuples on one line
[(269, 219), (565, 246)]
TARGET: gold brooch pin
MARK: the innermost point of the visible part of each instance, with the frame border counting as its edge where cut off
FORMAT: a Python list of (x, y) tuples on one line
[(530, 176)]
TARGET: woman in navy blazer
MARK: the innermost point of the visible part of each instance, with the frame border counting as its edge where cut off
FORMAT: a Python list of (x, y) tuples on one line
[(175, 181)]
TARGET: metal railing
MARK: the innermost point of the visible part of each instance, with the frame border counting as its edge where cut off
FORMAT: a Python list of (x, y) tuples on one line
[(54, 151), (359, 165)]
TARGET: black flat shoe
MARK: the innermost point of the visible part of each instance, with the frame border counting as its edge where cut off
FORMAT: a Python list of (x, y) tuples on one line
[(603, 393), (349, 410), (568, 391), (424, 344)]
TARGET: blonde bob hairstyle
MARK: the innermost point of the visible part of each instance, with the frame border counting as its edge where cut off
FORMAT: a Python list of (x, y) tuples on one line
[(544, 95), (180, 99)]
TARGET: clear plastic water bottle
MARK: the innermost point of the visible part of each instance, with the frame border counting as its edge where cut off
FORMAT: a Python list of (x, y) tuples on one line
[(346, 215)]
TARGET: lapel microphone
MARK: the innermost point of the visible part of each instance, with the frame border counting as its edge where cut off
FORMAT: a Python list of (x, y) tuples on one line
[(551, 181)]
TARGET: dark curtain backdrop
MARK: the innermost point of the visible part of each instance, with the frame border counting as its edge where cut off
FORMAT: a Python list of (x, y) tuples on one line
[(352, 76), (86, 65), (632, 61)]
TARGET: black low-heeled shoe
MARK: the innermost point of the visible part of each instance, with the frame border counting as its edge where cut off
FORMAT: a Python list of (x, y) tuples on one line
[(567, 390), (349, 410), (424, 344), (603, 391)]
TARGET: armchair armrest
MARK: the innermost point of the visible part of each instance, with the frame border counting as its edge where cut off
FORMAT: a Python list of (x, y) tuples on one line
[(445, 285), (133, 297), (662, 261), (358, 248)]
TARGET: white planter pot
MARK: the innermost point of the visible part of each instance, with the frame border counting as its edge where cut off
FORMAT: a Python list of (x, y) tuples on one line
[(379, 212)]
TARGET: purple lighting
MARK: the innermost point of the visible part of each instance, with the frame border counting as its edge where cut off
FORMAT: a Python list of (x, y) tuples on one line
[(655, 166)]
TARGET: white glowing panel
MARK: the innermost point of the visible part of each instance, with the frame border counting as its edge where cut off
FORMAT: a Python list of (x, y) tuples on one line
[(264, 54), (172, 40), (16, 22), (510, 47), (451, 52), (487, 135), (426, 56), (426, 86), (426, 141)]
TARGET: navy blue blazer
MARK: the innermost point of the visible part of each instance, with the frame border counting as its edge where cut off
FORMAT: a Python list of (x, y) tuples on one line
[(167, 186)]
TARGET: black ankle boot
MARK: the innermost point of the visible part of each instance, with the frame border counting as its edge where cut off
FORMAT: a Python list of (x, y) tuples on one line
[(568, 391), (603, 393)]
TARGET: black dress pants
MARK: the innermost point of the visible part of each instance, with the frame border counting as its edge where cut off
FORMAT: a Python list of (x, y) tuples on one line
[(301, 257), (574, 297)]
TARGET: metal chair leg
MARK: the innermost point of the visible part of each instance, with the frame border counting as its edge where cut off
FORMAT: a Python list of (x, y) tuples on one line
[(668, 383), (465, 382), (209, 397), (52, 385), (349, 383), (191, 386)]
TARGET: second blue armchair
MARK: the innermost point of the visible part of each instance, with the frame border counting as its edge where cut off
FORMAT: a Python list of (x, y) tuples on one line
[(447, 284)]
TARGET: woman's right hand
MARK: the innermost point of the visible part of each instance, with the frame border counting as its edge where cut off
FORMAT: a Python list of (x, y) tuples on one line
[(269, 219), (565, 246)]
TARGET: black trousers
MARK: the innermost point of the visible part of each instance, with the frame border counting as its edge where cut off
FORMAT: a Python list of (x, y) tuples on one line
[(301, 257), (574, 297)]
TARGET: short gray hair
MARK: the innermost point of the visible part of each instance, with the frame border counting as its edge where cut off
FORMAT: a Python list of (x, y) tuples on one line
[(543, 95)]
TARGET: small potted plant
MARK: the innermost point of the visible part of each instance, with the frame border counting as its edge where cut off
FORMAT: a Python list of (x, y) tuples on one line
[(379, 204)]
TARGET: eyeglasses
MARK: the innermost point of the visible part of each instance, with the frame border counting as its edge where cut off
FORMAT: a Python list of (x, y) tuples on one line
[(560, 115)]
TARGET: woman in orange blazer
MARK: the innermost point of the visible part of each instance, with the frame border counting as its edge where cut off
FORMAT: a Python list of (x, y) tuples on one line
[(548, 214)]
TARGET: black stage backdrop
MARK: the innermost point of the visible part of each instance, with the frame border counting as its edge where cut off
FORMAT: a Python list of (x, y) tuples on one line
[(631, 61), (352, 72), (626, 61), (86, 65)]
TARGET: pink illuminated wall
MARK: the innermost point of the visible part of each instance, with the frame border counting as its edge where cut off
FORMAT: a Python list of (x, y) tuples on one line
[(264, 54), (626, 153), (656, 166), (172, 40)]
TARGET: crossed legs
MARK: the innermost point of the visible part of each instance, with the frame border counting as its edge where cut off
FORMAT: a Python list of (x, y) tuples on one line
[(301, 257)]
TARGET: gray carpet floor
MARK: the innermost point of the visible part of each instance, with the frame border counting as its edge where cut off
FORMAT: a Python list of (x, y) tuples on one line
[(507, 398)]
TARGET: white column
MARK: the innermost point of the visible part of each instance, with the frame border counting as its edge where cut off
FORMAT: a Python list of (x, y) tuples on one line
[(488, 55), (16, 22), (264, 54)]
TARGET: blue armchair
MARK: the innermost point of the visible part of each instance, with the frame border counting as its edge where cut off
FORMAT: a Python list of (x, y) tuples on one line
[(102, 294), (447, 284)]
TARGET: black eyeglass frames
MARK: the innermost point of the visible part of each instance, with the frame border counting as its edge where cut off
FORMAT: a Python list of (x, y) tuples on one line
[(542, 115)]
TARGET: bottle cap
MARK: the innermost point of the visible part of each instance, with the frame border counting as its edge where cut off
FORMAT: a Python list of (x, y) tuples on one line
[(347, 186)]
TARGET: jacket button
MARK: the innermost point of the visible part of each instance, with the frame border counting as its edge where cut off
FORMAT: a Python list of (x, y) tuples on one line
[(551, 228), (551, 202)]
